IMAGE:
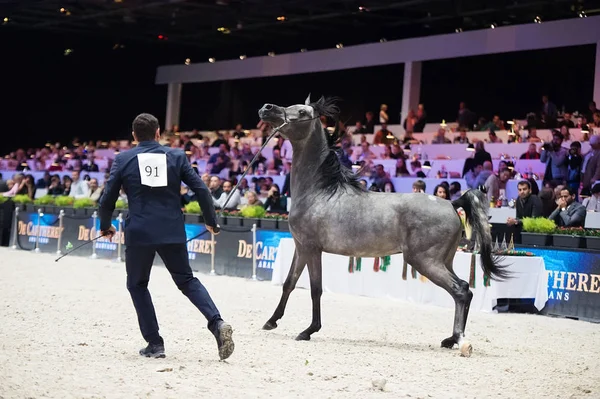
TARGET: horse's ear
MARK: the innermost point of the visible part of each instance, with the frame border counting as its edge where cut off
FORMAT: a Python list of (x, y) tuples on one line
[(307, 101)]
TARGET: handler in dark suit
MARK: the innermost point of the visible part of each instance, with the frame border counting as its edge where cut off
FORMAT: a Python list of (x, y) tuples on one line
[(151, 175)]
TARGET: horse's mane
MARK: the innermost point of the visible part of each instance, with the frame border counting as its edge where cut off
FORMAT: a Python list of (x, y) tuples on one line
[(332, 175)]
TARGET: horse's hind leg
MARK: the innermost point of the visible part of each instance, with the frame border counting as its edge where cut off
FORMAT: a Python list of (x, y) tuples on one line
[(315, 272), (459, 290), (296, 268)]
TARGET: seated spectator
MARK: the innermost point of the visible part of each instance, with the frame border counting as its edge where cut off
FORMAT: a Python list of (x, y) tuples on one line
[(533, 137), (389, 188), (55, 188), (214, 186), (89, 165), (95, 190), (381, 177), (528, 205), (462, 137), (275, 203), (592, 204), (441, 191), (233, 202), (494, 184), (359, 128), (419, 186), (493, 138), (568, 213), (381, 137), (440, 137), (79, 187), (531, 153), (401, 170), (548, 200), (44, 182), (455, 190), (18, 186), (252, 198)]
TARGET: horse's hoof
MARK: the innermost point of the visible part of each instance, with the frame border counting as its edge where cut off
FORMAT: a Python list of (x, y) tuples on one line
[(448, 343), (303, 337), (466, 349), (270, 325)]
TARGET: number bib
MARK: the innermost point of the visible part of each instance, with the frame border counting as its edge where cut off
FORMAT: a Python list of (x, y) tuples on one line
[(153, 169)]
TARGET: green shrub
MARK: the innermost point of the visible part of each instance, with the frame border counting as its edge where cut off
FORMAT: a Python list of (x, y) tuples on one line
[(64, 200), (193, 208), (570, 231), (539, 225), (22, 199), (45, 200), (121, 204), (84, 203), (3, 199), (253, 212)]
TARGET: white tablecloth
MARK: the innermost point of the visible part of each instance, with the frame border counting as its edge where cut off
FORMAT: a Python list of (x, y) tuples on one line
[(531, 280)]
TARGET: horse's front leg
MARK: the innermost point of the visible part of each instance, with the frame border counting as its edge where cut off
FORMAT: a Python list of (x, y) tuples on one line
[(315, 273)]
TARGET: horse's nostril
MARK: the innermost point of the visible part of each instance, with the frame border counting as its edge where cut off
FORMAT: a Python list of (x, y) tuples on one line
[(268, 107)]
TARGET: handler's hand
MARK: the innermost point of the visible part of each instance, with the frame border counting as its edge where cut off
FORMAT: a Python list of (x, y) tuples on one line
[(212, 230), (109, 233)]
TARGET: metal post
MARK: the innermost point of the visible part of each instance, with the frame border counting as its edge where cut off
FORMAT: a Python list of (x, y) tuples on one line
[(37, 236), (120, 235), (15, 228), (254, 251), (61, 214), (94, 217), (212, 254)]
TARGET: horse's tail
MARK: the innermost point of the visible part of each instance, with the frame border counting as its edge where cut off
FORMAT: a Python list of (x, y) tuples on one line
[(475, 205)]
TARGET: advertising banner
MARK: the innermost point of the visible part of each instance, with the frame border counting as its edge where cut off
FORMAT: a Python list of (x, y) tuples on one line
[(27, 231), (267, 244), (573, 282)]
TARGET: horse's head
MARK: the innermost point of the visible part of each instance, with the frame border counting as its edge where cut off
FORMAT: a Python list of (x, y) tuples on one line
[(298, 118)]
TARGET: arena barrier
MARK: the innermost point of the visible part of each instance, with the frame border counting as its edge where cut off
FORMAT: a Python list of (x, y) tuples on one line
[(238, 251)]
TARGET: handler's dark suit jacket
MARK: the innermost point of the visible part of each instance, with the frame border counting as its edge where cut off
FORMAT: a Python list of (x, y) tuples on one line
[(155, 215)]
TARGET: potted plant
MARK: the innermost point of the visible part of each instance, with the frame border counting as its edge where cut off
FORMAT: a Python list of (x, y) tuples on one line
[(569, 237), (192, 212), (537, 231), (232, 218), (46, 203), (253, 214), (269, 221), (121, 206), (84, 206), (66, 203), (592, 239), (22, 201)]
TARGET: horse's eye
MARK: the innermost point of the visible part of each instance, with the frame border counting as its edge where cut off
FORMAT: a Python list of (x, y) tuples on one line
[(302, 112)]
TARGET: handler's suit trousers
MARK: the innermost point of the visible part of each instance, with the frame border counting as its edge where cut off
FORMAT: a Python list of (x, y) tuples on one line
[(138, 263)]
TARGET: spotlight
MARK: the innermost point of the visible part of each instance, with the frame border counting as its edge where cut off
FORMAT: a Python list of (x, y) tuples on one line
[(68, 51), (458, 30), (363, 9), (243, 57), (188, 61), (382, 40), (281, 18), (224, 30), (6, 20), (493, 26), (339, 45), (303, 50), (211, 60), (582, 14), (271, 54), (537, 20)]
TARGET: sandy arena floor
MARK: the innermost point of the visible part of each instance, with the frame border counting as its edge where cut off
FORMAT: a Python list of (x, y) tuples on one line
[(68, 330)]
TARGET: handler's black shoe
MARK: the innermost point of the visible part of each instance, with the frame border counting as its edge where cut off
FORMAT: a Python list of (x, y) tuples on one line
[(153, 350), (223, 334)]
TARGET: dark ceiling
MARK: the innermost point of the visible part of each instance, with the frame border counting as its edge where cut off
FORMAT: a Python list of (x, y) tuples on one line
[(229, 28)]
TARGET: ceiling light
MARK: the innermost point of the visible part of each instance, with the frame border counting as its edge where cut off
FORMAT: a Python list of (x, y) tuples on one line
[(118, 46), (271, 54), (6, 19), (303, 50), (493, 26), (118, 1), (537, 20), (68, 51), (582, 14), (243, 57), (188, 61), (211, 60), (281, 18), (382, 40), (224, 30), (458, 30), (339, 45), (363, 9)]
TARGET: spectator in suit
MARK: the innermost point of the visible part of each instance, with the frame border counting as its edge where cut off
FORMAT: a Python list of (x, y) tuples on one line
[(151, 175), (528, 205), (568, 213)]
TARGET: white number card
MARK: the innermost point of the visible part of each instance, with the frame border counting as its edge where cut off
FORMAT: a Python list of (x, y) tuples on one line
[(153, 169)]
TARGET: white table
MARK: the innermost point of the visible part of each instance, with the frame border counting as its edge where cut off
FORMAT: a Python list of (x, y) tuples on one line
[(592, 220), (531, 280)]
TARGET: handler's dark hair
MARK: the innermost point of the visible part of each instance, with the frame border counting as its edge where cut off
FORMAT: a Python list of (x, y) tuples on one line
[(145, 126)]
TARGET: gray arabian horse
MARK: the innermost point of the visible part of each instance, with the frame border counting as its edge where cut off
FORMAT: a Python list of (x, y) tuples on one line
[(332, 213)]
